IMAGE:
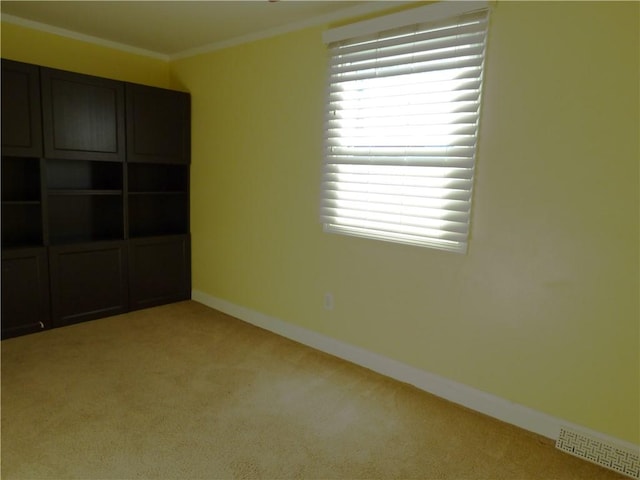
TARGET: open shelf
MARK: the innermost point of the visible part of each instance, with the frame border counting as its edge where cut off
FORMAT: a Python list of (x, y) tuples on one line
[(85, 218), (148, 178), (70, 191), (21, 205), (21, 224), (83, 175), (20, 179), (155, 214), (85, 201), (158, 199)]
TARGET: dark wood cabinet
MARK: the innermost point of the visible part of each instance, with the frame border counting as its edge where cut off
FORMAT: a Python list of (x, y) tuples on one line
[(25, 291), (159, 269), (21, 118), (95, 197), (83, 116), (88, 281), (158, 125)]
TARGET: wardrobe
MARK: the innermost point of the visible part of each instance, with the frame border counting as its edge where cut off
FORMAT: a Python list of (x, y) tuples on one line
[(95, 197)]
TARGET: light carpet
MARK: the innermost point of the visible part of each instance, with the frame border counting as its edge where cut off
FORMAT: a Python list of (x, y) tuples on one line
[(185, 392)]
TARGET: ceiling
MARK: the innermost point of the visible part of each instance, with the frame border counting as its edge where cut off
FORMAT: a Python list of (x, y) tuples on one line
[(172, 29)]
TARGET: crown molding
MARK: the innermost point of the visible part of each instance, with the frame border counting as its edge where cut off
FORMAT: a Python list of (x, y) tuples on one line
[(365, 9), (62, 32)]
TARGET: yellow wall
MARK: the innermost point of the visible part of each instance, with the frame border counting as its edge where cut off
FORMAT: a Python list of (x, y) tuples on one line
[(42, 48), (543, 310)]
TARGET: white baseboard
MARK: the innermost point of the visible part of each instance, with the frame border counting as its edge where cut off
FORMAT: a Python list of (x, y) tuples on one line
[(496, 407)]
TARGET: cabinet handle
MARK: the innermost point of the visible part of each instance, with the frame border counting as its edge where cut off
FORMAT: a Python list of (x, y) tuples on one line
[(41, 324)]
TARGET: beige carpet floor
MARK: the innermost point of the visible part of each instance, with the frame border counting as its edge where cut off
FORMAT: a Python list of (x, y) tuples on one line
[(184, 392)]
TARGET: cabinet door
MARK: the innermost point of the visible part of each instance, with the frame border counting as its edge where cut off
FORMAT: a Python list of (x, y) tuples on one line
[(88, 281), (158, 125), (83, 116), (21, 123), (25, 291), (160, 270)]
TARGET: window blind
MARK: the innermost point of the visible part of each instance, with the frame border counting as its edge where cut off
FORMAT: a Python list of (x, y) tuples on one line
[(401, 132)]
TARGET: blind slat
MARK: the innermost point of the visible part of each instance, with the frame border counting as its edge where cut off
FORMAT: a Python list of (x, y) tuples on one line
[(443, 206), (408, 171), (436, 37), (469, 55), (401, 159), (453, 67), (391, 228)]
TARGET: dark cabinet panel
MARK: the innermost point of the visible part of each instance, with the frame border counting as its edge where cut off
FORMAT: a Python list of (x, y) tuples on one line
[(21, 119), (25, 291), (83, 116), (88, 281), (160, 270), (158, 125)]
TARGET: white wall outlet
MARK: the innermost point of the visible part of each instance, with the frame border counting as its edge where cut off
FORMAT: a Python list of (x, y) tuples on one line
[(328, 301)]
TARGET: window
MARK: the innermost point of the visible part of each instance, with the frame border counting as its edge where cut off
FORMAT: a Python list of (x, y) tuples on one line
[(402, 122)]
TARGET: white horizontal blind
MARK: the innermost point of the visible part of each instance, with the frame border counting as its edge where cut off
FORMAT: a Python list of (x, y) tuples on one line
[(401, 132)]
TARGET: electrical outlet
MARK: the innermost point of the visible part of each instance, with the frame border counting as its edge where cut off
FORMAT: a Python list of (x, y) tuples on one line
[(328, 301)]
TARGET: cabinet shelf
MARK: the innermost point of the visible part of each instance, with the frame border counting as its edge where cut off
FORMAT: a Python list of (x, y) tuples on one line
[(70, 191), (81, 239), (157, 193), (21, 202), (19, 245)]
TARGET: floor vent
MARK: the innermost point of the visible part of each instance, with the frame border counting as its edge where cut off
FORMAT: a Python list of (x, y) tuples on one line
[(596, 451)]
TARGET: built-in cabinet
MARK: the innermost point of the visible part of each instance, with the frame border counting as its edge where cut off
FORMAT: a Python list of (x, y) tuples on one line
[(95, 197)]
